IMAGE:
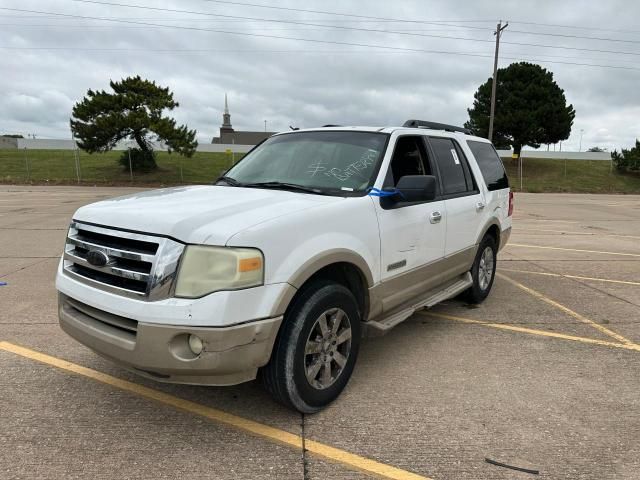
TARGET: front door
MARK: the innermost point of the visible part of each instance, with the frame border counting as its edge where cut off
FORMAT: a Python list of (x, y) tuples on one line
[(412, 233)]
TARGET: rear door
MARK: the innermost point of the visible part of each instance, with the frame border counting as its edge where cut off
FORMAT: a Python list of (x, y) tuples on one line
[(464, 201)]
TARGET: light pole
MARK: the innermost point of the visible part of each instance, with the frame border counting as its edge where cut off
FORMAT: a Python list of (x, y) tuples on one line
[(581, 132)]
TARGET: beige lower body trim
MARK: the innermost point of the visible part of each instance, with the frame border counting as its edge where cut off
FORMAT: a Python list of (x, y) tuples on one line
[(403, 289), (504, 238), (231, 355)]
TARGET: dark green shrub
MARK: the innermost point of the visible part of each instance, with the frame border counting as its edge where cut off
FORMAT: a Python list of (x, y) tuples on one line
[(628, 160), (141, 161)]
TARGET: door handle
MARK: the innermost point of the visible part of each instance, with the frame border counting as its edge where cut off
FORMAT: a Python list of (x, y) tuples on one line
[(480, 206), (435, 217)]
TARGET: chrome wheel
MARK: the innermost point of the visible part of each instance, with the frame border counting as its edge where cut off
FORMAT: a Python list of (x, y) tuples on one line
[(327, 349), (485, 268)]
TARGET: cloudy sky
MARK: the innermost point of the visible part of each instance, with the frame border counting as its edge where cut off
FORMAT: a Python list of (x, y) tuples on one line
[(358, 63)]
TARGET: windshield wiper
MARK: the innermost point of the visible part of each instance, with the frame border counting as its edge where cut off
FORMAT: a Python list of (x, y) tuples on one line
[(230, 181), (285, 186)]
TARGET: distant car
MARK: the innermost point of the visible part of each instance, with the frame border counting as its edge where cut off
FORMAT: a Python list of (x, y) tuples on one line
[(314, 238)]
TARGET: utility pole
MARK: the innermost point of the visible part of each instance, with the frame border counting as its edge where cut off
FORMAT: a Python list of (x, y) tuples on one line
[(497, 33), (581, 132), (76, 156), (265, 125)]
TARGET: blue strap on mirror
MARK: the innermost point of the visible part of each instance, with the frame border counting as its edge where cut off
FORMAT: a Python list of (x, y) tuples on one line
[(376, 192)]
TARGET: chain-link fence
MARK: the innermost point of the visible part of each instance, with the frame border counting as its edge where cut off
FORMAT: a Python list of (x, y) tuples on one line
[(566, 175), (77, 166)]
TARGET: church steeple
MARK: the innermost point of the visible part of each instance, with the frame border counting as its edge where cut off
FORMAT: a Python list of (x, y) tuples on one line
[(226, 116)]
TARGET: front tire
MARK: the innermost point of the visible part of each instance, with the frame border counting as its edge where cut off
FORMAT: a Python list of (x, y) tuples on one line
[(316, 349), (483, 271)]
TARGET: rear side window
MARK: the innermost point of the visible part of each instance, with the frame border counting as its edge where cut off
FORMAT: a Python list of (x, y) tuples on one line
[(452, 165), (490, 165)]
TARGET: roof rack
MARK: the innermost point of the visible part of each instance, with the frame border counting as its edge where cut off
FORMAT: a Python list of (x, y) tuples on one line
[(436, 126), (330, 125)]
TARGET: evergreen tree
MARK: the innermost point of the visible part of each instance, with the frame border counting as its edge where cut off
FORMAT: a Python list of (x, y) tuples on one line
[(133, 111), (628, 160), (531, 108)]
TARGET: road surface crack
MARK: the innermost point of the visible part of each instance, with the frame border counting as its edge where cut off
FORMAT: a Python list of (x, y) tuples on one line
[(305, 465)]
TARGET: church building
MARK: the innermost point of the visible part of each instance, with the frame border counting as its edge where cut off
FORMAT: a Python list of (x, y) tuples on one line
[(230, 136)]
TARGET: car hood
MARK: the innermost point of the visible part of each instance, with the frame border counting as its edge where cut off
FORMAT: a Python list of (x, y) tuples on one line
[(198, 214)]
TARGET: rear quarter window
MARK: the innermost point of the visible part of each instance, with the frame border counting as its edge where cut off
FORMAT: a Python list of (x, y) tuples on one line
[(490, 165)]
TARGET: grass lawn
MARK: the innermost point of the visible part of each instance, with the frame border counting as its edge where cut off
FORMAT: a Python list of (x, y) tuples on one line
[(572, 176), (59, 167)]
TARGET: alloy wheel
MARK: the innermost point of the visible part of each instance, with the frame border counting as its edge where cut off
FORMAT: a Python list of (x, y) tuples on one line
[(328, 348)]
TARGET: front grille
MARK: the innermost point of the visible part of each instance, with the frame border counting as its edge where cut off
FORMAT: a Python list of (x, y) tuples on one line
[(137, 265)]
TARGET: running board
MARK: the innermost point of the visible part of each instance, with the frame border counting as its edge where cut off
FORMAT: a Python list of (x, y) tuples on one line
[(378, 327)]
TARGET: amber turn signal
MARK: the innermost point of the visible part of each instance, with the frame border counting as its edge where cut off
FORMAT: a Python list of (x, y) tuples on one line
[(249, 264)]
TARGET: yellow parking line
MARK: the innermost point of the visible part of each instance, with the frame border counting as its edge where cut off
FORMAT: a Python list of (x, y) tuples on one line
[(259, 429), (574, 233), (572, 249), (566, 310), (536, 230), (546, 220), (533, 331), (549, 274)]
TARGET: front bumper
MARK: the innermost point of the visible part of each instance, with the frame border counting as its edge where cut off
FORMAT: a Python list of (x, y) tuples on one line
[(231, 354)]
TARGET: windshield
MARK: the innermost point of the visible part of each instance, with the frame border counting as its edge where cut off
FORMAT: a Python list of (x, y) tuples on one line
[(334, 162)]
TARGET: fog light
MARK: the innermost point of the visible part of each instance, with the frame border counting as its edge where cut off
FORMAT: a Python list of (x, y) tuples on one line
[(195, 344)]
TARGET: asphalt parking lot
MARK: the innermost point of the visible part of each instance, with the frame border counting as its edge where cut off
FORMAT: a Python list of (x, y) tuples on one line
[(544, 375)]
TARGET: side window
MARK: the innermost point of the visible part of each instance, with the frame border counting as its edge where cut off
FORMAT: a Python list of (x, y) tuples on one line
[(409, 158), (490, 165), (456, 177)]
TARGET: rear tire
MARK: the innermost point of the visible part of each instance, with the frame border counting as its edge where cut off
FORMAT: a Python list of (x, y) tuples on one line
[(316, 349), (483, 271)]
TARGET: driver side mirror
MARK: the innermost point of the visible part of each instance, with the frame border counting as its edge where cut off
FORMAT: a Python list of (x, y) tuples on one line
[(416, 188)]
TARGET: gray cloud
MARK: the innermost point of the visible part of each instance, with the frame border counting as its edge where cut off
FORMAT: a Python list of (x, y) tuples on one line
[(300, 83)]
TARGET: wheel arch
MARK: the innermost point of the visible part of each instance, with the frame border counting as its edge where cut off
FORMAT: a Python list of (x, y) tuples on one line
[(341, 266), (492, 227)]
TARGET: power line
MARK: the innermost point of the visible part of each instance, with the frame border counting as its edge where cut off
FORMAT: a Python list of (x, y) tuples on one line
[(510, 55), (563, 35), (93, 25), (274, 20), (436, 22), (370, 19), (309, 40), (184, 27), (386, 19), (178, 50), (316, 26), (324, 12), (341, 27), (368, 52), (577, 27)]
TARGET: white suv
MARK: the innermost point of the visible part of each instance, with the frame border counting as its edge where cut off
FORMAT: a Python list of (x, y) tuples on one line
[(313, 239)]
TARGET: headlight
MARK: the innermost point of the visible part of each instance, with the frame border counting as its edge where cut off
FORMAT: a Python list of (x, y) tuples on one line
[(205, 270)]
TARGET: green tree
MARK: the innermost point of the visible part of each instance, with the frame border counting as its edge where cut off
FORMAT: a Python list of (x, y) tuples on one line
[(628, 160), (133, 111), (531, 108), (597, 149)]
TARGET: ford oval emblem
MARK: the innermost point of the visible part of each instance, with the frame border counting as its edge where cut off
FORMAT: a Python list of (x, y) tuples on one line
[(97, 258)]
